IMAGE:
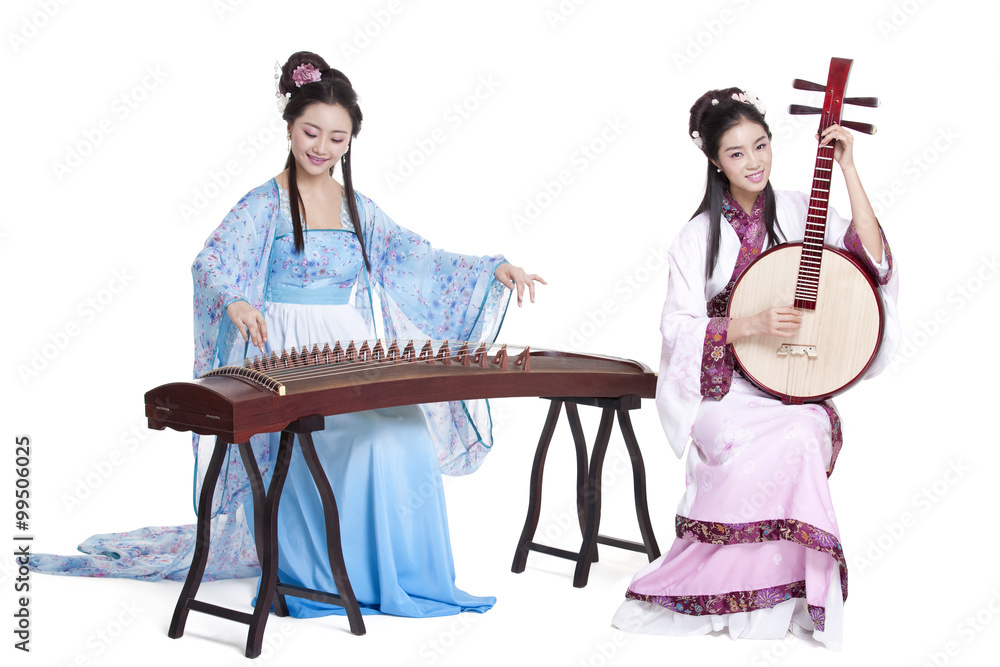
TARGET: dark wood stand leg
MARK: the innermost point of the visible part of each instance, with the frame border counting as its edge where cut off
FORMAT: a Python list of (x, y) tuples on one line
[(588, 485), (588, 547), (334, 549), (260, 501), (267, 547), (638, 485), (202, 539), (535, 489), (580, 443), (272, 591)]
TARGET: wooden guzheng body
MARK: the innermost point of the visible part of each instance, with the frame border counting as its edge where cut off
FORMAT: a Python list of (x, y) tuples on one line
[(265, 395), (294, 391)]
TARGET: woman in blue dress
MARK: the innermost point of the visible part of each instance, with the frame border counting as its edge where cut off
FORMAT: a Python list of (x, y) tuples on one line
[(298, 262), (302, 260)]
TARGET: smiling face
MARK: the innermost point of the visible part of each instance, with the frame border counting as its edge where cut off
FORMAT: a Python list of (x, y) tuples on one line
[(320, 136), (745, 158)]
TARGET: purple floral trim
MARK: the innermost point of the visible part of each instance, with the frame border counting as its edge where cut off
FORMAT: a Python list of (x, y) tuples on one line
[(836, 435), (749, 227), (716, 360), (751, 231), (733, 602), (720, 302), (727, 603), (717, 357), (789, 530), (818, 616), (852, 242)]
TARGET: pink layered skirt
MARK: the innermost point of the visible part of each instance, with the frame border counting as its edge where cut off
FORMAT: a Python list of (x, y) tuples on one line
[(758, 550)]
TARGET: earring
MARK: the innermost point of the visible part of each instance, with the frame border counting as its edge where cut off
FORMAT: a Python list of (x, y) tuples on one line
[(718, 171), (289, 142)]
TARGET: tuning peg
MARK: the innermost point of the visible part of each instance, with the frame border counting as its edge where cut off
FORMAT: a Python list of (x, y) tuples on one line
[(867, 128), (802, 84), (801, 110), (862, 101)]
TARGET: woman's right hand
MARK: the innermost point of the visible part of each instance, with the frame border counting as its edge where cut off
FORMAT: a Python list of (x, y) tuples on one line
[(248, 320), (780, 321)]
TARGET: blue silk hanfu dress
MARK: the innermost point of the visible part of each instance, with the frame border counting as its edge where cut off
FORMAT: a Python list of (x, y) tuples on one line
[(384, 465), (396, 544)]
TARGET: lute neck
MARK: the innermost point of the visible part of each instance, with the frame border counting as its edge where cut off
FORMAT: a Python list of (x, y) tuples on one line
[(807, 284)]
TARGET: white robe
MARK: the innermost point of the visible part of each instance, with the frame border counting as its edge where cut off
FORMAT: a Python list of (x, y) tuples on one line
[(685, 315)]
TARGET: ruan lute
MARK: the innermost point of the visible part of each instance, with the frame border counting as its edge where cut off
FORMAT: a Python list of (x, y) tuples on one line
[(843, 320)]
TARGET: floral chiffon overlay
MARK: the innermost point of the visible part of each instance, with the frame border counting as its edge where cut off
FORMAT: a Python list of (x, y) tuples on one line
[(221, 266), (717, 360), (440, 292), (789, 530), (852, 242), (336, 260)]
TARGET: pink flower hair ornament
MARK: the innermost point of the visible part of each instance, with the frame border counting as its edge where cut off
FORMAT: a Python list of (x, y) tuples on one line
[(305, 73), (748, 97)]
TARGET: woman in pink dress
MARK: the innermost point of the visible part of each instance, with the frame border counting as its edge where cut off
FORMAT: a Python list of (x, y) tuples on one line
[(758, 550)]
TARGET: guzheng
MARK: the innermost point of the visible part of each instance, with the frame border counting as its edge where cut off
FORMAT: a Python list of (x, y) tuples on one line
[(266, 394)]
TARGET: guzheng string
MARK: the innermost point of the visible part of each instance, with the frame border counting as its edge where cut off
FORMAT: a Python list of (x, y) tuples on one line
[(356, 365), (343, 366)]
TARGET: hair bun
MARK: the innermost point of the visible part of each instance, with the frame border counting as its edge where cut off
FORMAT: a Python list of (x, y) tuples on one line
[(287, 82), (705, 103)]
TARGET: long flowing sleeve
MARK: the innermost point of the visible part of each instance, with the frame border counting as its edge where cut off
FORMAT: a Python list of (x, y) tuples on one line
[(231, 266), (425, 292), (684, 325)]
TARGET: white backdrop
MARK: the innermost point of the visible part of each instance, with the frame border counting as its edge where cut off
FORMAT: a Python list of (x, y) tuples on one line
[(130, 130)]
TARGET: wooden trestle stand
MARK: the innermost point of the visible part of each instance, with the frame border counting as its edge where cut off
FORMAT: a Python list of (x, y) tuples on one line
[(588, 485), (289, 394)]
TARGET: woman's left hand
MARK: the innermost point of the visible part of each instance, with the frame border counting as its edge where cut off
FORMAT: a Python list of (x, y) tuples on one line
[(843, 147), (862, 214), (514, 277)]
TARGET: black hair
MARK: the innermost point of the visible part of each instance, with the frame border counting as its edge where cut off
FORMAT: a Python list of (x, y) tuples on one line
[(333, 87), (712, 115)]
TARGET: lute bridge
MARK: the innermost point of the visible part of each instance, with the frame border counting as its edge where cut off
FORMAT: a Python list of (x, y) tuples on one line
[(798, 350)]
